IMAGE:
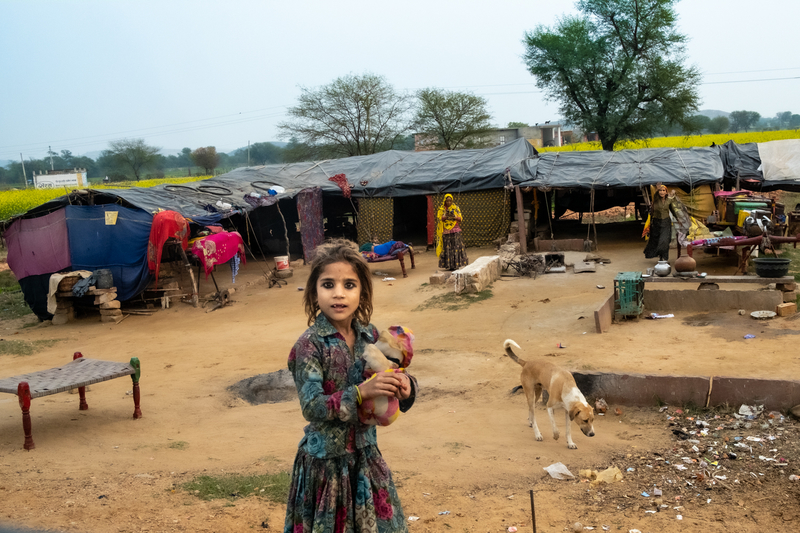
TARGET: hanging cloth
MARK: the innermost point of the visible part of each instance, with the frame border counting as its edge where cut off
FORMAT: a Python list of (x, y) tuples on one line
[(166, 224), (341, 181), (218, 248), (309, 209)]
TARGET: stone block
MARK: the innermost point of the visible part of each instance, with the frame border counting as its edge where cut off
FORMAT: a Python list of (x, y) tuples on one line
[(283, 274), (786, 309), (111, 305), (585, 266), (104, 298), (786, 287), (478, 275), (440, 278), (513, 237), (790, 296), (60, 319), (111, 318), (110, 312)]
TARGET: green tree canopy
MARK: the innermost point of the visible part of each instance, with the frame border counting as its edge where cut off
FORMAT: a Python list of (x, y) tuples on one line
[(455, 119), (518, 125), (744, 120), (263, 153), (206, 158), (719, 124), (353, 115), (134, 154), (794, 122), (616, 69)]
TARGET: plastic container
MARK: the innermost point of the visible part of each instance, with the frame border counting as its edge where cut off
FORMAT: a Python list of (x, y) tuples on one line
[(104, 278), (282, 262)]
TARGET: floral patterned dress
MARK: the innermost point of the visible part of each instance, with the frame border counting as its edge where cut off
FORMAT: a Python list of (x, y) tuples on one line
[(340, 482)]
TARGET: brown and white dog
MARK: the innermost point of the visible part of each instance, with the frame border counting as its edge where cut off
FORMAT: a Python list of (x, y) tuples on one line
[(561, 391)]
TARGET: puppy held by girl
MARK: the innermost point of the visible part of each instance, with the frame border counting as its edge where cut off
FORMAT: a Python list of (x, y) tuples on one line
[(340, 481)]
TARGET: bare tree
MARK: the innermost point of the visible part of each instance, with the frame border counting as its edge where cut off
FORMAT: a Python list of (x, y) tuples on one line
[(206, 158), (353, 115), (134, 154), (455, 119)]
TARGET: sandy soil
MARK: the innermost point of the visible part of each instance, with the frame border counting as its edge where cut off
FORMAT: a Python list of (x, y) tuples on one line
[(465, 447)]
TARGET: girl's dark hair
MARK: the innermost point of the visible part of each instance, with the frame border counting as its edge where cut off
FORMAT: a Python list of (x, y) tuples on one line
[(339, 251)]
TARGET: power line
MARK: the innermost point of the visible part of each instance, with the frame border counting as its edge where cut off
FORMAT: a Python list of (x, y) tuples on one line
[(93, 139)]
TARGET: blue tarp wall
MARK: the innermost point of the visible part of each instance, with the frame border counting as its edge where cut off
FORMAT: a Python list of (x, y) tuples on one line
[(120, 247)]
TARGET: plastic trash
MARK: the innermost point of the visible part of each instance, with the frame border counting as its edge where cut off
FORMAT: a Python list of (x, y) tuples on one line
[(512, 529), (413, 518), (444, 512), (601, 406), (749, 336), (654, 316), (559, 471), (609, 475), (388, 279)]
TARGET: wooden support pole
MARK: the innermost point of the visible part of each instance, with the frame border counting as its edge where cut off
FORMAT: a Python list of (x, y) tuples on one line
[(24, 397), (137, 412), (195, 289), (523, 233), (81, 390)]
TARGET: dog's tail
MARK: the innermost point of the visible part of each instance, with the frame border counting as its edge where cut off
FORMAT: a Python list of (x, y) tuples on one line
[(509, 352)]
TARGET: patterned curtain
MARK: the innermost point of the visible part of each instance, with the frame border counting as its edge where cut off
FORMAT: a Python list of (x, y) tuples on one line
[(375, 219), (309, 209), (486, 215)]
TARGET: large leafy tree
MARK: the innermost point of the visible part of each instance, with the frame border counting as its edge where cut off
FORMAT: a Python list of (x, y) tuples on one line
[(133, 154), (719, 124), (206, 158), (616, 69), (456, 120), (352, 115), (744, 120)]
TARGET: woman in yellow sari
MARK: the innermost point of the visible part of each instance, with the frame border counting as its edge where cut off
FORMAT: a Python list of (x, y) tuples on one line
[(449, 243)]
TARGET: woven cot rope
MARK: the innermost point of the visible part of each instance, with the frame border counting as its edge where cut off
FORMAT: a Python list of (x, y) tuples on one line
[(77, 373)]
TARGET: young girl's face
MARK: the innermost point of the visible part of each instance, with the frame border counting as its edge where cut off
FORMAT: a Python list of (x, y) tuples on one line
[(339, 293)]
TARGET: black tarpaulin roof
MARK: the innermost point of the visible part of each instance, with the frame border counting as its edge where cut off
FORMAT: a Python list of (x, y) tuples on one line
[(626, 168)]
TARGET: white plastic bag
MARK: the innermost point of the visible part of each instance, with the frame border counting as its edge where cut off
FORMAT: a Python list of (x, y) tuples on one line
[(558, 471)]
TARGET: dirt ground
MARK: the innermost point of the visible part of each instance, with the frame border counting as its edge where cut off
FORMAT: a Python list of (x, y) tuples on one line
[(464, 458)]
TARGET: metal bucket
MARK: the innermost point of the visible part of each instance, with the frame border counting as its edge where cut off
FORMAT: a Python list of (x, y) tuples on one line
[(104, 278)]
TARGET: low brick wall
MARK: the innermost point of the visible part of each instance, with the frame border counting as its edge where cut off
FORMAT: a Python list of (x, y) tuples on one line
[(671, 301), (650, 390)]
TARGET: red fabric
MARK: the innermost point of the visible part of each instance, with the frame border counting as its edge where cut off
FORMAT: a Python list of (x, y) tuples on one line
[(166, 224), (341, 181), (218, 248), (431, 221)]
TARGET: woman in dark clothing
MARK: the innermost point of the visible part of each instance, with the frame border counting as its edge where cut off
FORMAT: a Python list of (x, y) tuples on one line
[(660, 224)]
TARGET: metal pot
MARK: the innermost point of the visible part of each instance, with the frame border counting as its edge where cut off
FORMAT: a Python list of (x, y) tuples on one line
[(662, 269)]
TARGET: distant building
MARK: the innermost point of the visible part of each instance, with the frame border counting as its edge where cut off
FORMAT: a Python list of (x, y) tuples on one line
[(542, 135), (60, 178)]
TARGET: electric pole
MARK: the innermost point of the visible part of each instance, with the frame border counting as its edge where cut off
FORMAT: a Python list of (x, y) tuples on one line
[(24, 176), (50, 152), (248, 153)]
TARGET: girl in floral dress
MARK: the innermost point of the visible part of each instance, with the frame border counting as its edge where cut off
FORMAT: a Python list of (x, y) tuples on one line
[(340, 482)]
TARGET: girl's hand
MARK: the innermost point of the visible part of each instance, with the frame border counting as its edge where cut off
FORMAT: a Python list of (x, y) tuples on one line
[(405, 387), (383, 384)]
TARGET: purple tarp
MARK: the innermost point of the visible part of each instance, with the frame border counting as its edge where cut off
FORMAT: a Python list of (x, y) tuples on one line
[(38, 245)]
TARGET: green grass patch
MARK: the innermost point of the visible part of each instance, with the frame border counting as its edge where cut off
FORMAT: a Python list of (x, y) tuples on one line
[(273, 487), (12, 305), (454, 302), (18, 348), (179, 445)]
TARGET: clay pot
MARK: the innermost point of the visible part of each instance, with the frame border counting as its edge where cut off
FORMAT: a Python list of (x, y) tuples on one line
[(662, 269), (685, 264)]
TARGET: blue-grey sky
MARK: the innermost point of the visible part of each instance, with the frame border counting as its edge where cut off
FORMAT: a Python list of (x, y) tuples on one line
[(77, 74)]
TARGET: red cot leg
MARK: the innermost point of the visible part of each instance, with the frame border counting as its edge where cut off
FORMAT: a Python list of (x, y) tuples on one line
[(24, 396), (411, 255), (402, 264), (137, 412), (81, 390)]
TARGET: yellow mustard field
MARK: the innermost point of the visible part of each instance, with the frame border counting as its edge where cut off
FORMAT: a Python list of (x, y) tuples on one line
[(689, 141), (19, 201)]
